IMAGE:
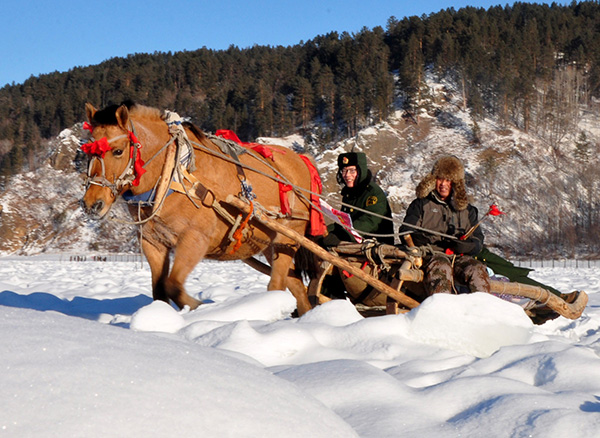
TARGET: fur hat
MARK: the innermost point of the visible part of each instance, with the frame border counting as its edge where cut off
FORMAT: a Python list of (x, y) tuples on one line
[(447, 167)]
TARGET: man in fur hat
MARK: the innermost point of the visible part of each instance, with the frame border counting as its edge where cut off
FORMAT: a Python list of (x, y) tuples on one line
[(442, 206), (362, 192)]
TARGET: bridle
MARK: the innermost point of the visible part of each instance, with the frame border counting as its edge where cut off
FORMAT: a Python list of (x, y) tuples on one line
[(130, 175), (134, 169)]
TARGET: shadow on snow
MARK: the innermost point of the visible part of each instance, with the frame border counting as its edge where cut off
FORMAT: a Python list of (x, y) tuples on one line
[(81, 307)]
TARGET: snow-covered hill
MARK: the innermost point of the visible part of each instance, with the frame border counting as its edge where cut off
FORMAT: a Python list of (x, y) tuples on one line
[(539, 186)]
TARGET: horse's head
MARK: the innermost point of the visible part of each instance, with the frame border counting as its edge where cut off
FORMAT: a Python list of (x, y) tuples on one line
[(115, 162)]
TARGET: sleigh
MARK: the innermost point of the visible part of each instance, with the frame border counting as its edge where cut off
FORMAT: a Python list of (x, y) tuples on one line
[(385, 279)]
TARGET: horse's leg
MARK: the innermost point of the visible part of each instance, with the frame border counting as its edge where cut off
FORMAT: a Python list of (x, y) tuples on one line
[(300, 292), (188, 253), (283, 251), (158, 259)]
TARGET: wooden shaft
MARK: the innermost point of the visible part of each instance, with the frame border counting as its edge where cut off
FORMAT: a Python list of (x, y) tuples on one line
[(165, 178), (357, 248), (323, 254), (554, 302)]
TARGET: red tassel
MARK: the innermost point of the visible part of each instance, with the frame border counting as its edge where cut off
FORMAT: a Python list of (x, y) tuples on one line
[(87, 127), (98, 147), (238, 234), (283, 199), (317, 223), (138, 165)]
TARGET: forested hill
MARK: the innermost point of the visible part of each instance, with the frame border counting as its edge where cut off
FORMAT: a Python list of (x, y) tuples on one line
[(512, 63)]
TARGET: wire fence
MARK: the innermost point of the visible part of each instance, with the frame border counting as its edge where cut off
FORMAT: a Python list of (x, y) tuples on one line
[(138, 258), (562, 263), (64, 257)]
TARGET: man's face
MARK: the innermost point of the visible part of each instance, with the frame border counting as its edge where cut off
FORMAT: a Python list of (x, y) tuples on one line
[(443, 187), (349, 174)]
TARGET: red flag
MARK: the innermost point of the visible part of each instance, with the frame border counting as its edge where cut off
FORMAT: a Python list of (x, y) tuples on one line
[(494, 211)]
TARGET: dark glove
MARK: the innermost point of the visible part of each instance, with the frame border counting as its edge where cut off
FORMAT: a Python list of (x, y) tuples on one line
[(468, 246), (330, 240)]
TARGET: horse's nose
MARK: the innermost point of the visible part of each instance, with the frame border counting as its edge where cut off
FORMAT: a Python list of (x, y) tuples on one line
[(95, 209)]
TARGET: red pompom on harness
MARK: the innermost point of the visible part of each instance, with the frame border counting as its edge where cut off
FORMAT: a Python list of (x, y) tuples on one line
[(100, 147)]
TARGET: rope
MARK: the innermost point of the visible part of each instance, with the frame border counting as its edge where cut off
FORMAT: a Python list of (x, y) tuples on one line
[(282, 179), (298, 190)]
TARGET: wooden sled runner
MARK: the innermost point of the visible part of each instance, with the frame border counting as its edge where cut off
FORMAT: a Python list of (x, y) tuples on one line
[(397, 287)]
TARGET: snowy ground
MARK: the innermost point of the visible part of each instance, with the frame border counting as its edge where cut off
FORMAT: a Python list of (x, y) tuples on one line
[(84, 352)]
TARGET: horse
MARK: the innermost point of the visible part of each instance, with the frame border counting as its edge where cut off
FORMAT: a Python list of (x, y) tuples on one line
[(192, 220)]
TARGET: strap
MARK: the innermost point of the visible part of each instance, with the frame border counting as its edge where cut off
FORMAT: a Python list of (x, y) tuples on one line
[(232, 149), (363, 296)]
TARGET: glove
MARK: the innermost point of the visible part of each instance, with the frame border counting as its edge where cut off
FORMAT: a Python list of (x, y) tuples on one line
[(468, 246), (330, 240)]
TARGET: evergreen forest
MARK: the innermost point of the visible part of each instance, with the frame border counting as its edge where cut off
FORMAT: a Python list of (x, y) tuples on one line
[(532, 66)]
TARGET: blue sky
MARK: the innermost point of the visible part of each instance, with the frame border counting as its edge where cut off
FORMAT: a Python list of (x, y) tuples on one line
[(41, 36)]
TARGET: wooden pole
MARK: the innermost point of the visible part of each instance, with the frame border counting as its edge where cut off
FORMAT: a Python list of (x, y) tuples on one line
[(165, 177), (554, 302)]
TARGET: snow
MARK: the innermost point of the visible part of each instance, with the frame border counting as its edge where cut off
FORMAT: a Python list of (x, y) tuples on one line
[(85, 351)]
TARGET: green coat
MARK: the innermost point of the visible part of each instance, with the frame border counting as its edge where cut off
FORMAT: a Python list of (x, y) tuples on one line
[(366, 195), (503, 267)]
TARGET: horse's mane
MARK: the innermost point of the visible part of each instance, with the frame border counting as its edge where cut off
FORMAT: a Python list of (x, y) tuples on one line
[(107, 116), (195, 130)]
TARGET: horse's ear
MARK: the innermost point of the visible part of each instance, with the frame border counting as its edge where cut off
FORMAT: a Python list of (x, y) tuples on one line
[(90, 111), (122, 117)]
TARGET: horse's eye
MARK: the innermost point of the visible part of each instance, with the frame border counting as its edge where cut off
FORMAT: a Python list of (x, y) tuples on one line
[(117, 152)]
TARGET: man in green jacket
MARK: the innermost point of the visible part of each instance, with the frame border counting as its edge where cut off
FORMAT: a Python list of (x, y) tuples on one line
[(363, 200), (368, 207)]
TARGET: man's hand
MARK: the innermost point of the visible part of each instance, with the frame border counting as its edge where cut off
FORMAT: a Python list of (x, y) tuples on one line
[(464, 246)]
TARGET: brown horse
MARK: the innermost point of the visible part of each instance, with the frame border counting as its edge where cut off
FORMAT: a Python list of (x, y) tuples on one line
[(194, 222)]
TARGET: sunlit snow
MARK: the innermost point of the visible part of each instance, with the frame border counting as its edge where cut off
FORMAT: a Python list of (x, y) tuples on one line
[(85, 351)]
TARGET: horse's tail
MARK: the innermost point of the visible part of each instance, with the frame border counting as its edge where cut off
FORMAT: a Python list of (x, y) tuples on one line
[(306, 262)]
